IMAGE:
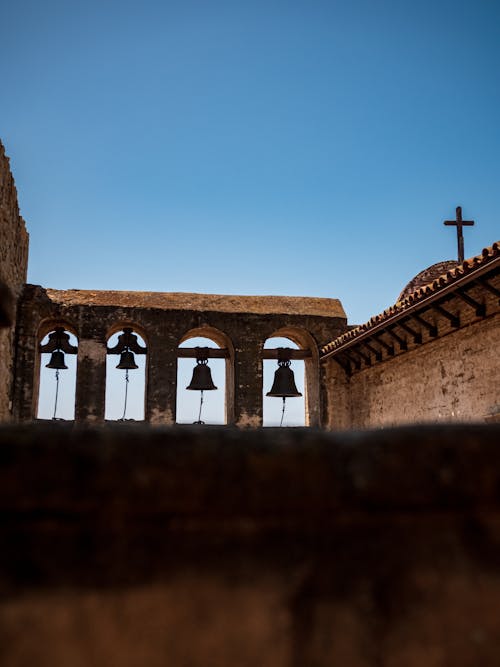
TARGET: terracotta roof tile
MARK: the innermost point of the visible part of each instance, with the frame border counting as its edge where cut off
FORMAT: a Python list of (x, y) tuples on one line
[(487, 256), (427, 276)]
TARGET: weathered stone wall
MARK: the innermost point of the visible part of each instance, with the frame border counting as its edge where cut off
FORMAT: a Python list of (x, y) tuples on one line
[(164, 320), (453, 377), (217, 547), (13, 265)]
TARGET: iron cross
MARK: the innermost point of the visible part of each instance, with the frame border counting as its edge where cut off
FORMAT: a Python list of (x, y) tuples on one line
[(460, 224)]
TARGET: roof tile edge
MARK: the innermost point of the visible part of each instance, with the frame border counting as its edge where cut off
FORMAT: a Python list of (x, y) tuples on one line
[(486, 256)]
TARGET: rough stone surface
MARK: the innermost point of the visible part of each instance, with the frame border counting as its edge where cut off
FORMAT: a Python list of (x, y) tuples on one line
[(164, 321), (13, 265), (268, 548), (451, 378), (223, 303)]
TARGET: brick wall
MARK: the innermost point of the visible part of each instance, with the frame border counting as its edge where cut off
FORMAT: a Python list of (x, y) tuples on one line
[(13, 264), (452, 378)]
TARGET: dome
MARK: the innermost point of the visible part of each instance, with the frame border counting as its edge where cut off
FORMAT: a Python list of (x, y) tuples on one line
[(427, 276)]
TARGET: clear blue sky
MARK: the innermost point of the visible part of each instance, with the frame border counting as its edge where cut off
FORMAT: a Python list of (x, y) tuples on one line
[(304, 148)]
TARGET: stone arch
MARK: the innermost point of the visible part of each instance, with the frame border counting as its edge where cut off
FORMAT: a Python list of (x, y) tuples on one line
[(223, 341), (305, 341), (218, 336), (48, 324), (44, 339), (121, 336), (119, 325)]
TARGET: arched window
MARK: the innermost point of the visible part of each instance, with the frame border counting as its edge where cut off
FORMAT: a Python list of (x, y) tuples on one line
[(280, 410), (293, 349), (57, 377), (125, 376), (205, 359)]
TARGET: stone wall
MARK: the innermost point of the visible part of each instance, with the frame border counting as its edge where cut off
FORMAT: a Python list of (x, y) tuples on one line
[(240, 323), (451, 378), (216, 547), (13, 266)]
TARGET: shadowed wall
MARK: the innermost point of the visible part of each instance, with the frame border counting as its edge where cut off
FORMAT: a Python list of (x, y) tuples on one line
[(215, 546), (13, 266)]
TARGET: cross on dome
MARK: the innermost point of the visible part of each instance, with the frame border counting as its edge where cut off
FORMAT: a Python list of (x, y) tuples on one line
[(460, 224)]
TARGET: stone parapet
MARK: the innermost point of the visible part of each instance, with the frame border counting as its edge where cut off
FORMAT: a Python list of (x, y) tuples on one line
[(275, 547)]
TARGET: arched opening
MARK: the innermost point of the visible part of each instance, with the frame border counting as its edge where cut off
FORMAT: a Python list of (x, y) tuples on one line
[(125, 376), (299, 353), (213, 350), (57, 374), (294, 407)]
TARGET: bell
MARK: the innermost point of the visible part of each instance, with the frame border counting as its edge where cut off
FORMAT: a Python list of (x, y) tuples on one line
[(202, 378), (284, 382), (127, 361), (57, 361)]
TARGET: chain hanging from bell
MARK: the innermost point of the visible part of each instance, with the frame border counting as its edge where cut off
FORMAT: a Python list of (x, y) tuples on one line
[(284, 384), (126, 363), (201, 381)]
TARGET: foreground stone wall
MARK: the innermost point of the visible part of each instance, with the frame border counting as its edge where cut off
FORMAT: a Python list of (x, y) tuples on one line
[(13, 265), (271, 548)]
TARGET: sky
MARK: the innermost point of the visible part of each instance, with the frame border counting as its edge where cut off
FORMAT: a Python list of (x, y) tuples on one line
[(298, 148)]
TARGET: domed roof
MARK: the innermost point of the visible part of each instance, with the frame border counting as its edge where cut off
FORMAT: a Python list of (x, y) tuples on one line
[(427, 276)]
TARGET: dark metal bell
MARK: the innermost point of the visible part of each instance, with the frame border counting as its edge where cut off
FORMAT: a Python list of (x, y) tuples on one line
[(56, 361), (127, 361), (202, 378), (284, 383)]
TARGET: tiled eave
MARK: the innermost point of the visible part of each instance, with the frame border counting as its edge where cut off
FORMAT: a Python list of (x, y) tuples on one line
[(404, 324)]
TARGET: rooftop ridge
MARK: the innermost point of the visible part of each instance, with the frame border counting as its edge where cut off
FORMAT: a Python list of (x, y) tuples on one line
[(487, 255)]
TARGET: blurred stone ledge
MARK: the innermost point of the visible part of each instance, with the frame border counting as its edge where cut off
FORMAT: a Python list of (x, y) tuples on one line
[(132, 545), (286, 478)]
